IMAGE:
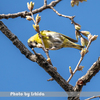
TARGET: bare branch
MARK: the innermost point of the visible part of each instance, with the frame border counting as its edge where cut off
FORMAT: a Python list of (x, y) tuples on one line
[(33, 17), (95, 68), (25, 13), (93, 97), (45, 2), (70, 17), (75, 69)]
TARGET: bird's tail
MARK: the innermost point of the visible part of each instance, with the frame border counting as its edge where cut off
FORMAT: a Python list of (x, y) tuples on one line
[(73, 45), (77, 46)]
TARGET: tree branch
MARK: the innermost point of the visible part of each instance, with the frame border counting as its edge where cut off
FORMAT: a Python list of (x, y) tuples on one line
[(98, 96), (25, 13), (36, 58), (95, 68)]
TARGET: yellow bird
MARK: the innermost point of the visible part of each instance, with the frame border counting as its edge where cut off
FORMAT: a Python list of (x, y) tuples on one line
[(53, 41)]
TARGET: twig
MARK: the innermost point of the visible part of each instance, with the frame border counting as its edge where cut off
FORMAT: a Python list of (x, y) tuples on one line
[(38, 32), (33, 17), (75, 69), (93, 97), (34, 51), (79, 61), (45, 50), (70, 17), (41, 37), (45, 2)]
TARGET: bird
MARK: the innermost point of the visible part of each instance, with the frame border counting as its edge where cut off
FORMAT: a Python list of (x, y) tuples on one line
[(52, 41)]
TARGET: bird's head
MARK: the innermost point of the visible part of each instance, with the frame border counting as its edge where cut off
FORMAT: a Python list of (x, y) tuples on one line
[(34, 41)]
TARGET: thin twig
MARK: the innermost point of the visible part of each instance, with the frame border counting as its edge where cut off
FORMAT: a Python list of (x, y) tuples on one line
[(34, 51), (45, 2), (45, 50), (43, 45), (70, 17), (75, 69), (93, 97), (38, 32), (79, 61), (33, 17)]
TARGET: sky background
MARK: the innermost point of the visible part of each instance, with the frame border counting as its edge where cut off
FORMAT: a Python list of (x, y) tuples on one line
[(17, 73)]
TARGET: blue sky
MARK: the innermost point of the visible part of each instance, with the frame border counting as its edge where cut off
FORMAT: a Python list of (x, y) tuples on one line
[(17, 73)]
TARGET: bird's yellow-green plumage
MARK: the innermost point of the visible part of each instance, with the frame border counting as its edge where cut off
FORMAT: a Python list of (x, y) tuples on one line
[(53, 40)]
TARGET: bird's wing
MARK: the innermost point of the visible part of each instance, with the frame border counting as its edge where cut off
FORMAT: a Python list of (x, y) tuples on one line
[(70, 38), (52, 32)]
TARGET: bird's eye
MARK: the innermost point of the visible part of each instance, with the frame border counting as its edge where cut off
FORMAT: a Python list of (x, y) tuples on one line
[(30, 41)]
